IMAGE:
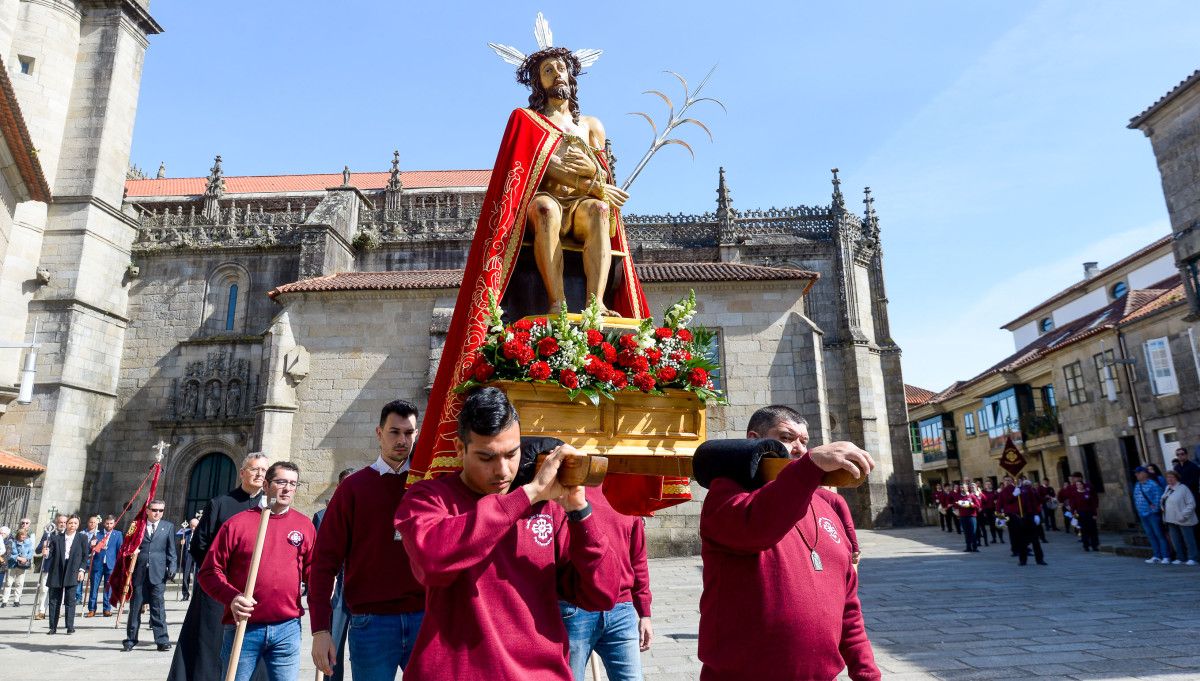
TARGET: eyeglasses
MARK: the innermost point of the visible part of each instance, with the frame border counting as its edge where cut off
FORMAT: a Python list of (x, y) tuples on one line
[(293, 484)]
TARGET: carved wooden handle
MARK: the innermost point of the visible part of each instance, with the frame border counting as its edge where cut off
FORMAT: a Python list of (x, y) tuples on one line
[(580, 469)]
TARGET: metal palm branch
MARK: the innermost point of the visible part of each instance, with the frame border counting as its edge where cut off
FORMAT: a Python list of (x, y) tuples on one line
[(676, 120)]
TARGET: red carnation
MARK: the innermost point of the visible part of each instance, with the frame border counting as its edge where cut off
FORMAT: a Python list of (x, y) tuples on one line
[(605, 372), (664, 332), (523, 325), (542, 321), (609, 352), (654, 355), (697, 376), (539, 371), (626, 358), (681, 355), (591, 364), (684, 335), (628, 342), (521, 353), (640, 364), (483, 371), (594, 337), (619, 380), (522, 337), (547, 346), (568, 379), (644, 381), (667, 374)]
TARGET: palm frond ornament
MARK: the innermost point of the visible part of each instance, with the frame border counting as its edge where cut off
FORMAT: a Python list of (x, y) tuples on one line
[(675, 119)]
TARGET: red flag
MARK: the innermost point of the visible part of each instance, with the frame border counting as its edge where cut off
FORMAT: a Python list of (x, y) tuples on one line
[(1012, 460), (118, 581)]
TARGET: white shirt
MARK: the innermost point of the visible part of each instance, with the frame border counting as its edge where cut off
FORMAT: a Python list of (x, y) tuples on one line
[(150, 528), (68, 539), (380, 466)]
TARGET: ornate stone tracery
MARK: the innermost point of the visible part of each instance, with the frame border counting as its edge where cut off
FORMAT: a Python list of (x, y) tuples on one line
[(214, 389)]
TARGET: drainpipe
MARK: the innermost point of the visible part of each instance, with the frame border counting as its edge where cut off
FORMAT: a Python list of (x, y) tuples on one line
[(1129, 379)]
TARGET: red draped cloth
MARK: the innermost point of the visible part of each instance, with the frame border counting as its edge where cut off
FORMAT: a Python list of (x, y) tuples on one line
[(529, 141), (118, 581)]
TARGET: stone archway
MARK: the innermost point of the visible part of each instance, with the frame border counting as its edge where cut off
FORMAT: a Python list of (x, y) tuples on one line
[(213, 474)]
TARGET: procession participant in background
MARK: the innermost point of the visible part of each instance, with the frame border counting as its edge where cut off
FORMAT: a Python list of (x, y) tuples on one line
[(617, 636), (495, 562), (780, 422), (106, 546), (968, 504), (273, 632), (153, 567), (938, 496), (185, 558), (64, 557), (198, 653), (93, 527), (774, 561), (1084, 505), (357, 540), (952, 505), (1022, 507), (43, 602), (339, 626), (1049, 505)]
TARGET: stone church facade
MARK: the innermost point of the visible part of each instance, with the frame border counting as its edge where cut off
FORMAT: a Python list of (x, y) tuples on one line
[(231, 314)]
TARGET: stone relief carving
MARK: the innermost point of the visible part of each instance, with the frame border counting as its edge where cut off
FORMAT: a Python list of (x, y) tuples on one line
[(214, 389)]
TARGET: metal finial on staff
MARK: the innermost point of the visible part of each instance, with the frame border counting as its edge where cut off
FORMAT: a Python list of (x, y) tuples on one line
[(676, 120), (160, 450)]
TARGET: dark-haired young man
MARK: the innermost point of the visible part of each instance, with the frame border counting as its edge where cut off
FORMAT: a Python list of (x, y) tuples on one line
[(273, 632), (357, 539), (495, 561)]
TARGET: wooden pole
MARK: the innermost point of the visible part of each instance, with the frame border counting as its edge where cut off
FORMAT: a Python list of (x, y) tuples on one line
[(240, 634), (133, 559), (589, 469), (595, 662)]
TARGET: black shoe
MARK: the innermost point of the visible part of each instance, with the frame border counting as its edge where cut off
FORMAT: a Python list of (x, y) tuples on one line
[(1042, 562), (164, 646), (52, 632), (126, 646), (70, 631)]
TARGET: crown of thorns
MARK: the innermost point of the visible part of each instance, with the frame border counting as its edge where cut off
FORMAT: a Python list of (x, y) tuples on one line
[(545, 40)]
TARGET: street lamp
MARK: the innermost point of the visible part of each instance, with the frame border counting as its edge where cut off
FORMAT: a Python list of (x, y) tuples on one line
[(25, 393)]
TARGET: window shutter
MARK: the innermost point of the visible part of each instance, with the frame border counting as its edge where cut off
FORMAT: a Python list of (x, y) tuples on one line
[(1150, 368)]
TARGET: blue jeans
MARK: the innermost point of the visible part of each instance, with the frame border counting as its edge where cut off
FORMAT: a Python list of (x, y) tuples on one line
[(381, 644), (277, 644), (1152, 524), (613, 635), (1184, 535), (969, 532), (100, 574)]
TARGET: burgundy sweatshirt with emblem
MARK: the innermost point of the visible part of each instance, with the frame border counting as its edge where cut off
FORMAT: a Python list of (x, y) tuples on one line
[(357, 536), (494, 568), (766, 612), (285, 560)]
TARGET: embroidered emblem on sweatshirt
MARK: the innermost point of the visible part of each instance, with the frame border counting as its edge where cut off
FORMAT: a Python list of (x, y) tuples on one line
[(295, 538), (542, 528), (827, 525)]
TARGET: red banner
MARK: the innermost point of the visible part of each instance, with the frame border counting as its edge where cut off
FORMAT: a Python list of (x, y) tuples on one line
[(1012, 460), (118, 581)]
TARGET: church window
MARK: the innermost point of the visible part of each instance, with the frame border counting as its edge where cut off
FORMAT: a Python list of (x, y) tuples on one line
[(231, 307), (26, 64)]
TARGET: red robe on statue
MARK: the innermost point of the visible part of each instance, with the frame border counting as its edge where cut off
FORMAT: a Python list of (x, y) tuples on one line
[(529, 141)]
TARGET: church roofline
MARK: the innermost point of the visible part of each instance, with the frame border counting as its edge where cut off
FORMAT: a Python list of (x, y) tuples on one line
[(442, 279), (468, 179), (1137, 121), (20, 144)]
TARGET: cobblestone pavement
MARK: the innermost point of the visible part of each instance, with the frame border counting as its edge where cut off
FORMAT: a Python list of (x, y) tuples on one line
[(932, 611)]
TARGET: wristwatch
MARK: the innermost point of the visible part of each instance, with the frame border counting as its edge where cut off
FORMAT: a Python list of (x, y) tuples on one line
[(581, 514)]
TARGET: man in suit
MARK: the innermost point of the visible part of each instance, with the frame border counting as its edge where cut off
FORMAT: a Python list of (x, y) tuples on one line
[(65, 555), (105, 549), (155, 567)]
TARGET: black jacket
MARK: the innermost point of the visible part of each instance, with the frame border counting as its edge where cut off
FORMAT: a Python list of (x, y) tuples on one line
[(62, 571), (156, 559)]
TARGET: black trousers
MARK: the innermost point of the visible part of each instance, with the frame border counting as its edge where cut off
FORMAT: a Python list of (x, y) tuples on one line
[(146, 592), (1088, 530), (186, 575), (1023, 533), (55, 602)]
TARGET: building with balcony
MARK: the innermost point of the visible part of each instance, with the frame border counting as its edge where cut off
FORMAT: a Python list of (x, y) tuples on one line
[(1105, 376)]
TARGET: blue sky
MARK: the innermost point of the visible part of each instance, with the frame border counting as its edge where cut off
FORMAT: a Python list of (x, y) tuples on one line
[(991, 133)]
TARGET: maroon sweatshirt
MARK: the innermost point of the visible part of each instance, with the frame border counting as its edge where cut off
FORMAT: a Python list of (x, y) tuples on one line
[(766, 613), (843, 512), (357, 536), (622, 531), (968, 511), (286, 556), (1023, 503), (494, 568)]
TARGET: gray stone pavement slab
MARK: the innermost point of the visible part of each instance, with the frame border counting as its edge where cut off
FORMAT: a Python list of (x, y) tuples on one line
[(932, 611)]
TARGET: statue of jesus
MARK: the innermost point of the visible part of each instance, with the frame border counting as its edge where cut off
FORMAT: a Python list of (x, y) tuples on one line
[(574, 201)]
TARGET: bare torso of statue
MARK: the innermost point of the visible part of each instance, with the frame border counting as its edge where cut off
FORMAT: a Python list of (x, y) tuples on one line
[(571, 206)]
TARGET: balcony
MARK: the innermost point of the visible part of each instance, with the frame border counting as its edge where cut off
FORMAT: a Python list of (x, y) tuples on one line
[(1041, 429)]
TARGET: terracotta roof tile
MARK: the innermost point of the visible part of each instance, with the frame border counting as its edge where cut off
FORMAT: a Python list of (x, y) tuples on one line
[(1079, 286), (436, 279), (16, 136), (272, 184), (1162, 101), (914, 396), (19, 464)]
